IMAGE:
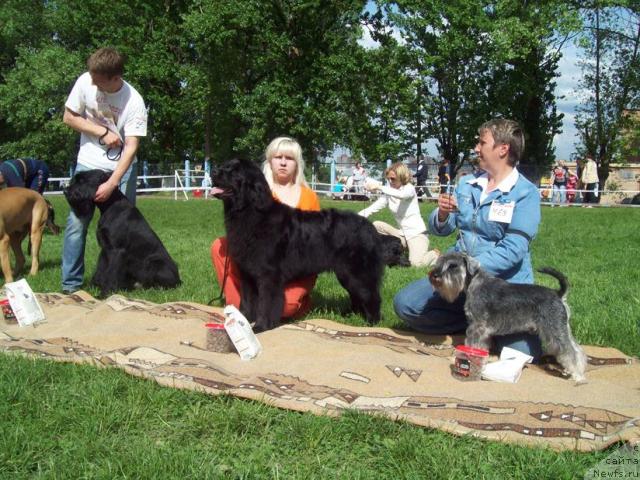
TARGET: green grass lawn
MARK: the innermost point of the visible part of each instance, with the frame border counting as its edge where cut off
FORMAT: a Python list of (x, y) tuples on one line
[(71, 421)]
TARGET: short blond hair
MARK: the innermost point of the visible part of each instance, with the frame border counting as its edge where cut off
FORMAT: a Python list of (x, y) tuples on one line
[(507, 132), (284, 145), (402, 172)]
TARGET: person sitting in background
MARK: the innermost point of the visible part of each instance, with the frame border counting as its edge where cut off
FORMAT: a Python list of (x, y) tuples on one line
[(401, 198), (284, 171), (337, 191), (25, 173)]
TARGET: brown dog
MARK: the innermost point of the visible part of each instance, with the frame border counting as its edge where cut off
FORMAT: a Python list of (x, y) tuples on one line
[(22, 211)]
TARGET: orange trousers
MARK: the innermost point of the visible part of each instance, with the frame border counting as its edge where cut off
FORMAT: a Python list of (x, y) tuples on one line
[(297, 300)]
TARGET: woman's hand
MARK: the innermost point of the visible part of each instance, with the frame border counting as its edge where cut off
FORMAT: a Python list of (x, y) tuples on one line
[(446, 204), (372, 185)]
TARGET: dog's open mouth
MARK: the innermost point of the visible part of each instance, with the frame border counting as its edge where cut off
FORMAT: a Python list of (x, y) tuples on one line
[(219, 192)]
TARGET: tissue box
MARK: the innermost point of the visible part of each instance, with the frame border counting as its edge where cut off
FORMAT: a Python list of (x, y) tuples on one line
[(241, 333), (24, 303), (509, 368)]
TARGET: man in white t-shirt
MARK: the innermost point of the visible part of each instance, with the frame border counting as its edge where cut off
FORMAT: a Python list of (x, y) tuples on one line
[(110, 116)]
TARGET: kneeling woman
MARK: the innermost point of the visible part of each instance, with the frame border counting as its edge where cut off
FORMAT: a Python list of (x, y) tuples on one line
[(284, 171), (402, 200), (496, 213)]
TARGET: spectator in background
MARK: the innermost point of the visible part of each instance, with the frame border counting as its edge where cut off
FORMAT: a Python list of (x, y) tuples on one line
[(206, 184), (444, 175), (359, 173), (559, 176), (357, 178), (589, 181), (337, 191), (421, 175), (25, 173), (572, 185)]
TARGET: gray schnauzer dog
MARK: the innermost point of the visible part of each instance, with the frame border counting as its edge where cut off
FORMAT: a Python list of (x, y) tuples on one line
[(496, 307)]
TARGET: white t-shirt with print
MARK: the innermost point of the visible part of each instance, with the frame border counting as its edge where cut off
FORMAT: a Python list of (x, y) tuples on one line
[(123, 112)]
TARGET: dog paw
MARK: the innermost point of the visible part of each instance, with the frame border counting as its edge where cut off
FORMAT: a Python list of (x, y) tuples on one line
[(259, 328), (580, 381)]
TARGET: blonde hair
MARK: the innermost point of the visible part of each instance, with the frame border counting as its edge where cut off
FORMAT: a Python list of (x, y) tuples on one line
[(402, 172), (284, 145)]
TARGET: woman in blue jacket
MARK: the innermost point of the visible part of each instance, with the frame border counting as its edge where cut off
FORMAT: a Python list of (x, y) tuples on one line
[(497, 213)]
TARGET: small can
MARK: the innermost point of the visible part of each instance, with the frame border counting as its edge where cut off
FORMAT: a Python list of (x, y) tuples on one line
[(217, 338), (468, 362), (7, 311)]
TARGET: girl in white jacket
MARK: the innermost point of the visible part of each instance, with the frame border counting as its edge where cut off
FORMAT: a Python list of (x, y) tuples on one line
[(401, 198)]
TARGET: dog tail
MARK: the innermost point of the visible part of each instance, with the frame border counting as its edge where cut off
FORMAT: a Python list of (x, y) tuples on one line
[(564, 282), (51, 219)]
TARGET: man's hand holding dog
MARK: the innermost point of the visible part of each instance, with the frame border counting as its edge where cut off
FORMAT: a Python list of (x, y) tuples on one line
[(446, 204), (105, 190)]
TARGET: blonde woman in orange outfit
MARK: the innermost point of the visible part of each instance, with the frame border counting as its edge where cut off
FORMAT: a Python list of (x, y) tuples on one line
[(284, 171)]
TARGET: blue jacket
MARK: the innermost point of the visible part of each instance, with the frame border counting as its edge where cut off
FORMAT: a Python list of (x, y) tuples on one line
[(501, 248), (21, 172)]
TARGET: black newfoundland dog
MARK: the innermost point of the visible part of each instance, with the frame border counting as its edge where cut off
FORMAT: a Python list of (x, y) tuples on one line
[(132, 255), (273, 244)]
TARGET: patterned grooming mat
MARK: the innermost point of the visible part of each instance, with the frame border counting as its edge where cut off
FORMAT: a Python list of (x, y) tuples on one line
[(324, 367)]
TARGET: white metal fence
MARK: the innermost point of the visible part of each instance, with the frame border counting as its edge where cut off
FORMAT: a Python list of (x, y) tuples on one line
[(197, 183)]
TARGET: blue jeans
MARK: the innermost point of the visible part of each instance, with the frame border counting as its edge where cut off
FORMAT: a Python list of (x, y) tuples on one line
[(426, 311), (559, 194), (75, 237)]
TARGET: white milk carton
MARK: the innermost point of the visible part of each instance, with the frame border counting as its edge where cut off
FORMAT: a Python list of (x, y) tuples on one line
[(241, 334), (23, 302)]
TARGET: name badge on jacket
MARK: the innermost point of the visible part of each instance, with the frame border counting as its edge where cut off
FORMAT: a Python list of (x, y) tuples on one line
[(501, 212)]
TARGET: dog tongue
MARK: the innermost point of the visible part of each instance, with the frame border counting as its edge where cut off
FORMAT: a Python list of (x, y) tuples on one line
[(216, 191)]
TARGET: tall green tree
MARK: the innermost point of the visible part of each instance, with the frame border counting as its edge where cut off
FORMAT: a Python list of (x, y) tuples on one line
[(43, 68), (611, 74), (529, 37), (32, 103), (444, 40), (262, 69), (391, 106), (481, 59)]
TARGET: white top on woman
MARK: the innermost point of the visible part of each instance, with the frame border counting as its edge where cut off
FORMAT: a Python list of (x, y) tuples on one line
[(403, 203)]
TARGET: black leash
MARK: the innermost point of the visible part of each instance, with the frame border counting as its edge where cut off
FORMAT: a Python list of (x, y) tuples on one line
[(113, 153)]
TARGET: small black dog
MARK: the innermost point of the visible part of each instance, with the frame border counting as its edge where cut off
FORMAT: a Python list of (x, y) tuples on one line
[(132, 255), (392, 251), (273, 244)]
